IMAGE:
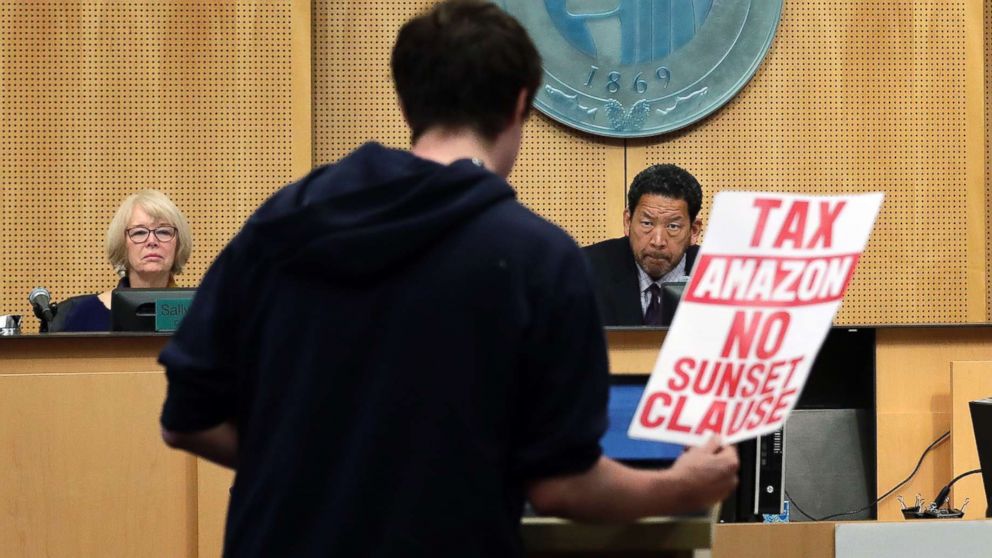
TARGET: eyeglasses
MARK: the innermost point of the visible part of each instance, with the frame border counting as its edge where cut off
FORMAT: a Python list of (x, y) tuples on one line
[(139, 235)]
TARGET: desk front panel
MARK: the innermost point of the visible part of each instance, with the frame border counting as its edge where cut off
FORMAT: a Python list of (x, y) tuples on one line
[(83, 470)]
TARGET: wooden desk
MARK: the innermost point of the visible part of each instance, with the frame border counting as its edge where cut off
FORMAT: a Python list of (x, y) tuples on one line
[(777, 540), (83, 471), (854, 539), (659, 537)]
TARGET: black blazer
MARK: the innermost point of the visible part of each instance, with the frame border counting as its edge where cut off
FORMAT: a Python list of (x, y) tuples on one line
[(614, 276)]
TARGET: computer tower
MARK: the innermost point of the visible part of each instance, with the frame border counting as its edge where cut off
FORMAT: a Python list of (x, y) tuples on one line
[(761, 487), (769, 489)]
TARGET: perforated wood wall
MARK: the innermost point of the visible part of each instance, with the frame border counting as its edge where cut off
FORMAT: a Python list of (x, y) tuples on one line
[(854, 96), (562, 175), (988, 156), (858, 97), (207, 101), (354, 101), (210, 102)]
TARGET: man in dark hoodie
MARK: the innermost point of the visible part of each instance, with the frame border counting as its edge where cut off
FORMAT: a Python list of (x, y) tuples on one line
[(394, 353)]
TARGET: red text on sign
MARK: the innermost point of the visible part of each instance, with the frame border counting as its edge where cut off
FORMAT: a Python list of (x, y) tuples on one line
[(793, 231), (770, 281)]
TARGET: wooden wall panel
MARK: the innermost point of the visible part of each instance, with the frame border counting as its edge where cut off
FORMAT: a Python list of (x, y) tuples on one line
[(780, 540), (83, 470), (854, 96), (987, 34), (634, 351), (211, 103), (857, 97), (353, 96), (573, 180), (213, 492), (207, 101), (913, 405)]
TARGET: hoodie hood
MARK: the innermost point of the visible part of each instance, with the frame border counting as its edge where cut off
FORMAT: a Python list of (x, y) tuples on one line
[(375, 210)]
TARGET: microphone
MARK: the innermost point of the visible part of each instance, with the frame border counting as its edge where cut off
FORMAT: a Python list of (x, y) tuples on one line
[(41, 302)]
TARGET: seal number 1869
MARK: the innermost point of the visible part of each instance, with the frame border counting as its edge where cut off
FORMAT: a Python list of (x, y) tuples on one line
[(613, 80)]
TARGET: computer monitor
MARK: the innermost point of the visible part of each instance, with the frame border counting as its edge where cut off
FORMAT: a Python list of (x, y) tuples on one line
[(625, 394), (148, 309), (671, 294), (981, 419)]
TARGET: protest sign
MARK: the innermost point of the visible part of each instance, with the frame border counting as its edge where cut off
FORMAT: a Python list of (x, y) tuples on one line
[(766, 285)]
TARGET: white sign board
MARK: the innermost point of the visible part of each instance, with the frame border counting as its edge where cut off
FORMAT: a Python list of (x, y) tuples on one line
[(764, 290)]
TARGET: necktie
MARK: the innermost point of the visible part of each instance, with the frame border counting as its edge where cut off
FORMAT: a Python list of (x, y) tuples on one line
[(652, 315)]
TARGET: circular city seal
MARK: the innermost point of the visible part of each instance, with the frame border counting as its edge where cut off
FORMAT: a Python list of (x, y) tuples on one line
[(635, 68)]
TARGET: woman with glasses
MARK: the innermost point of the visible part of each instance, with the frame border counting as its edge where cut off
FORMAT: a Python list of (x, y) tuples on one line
[(148, 243)]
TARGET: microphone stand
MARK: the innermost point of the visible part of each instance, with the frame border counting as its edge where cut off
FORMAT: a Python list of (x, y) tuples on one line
[(53, 307)]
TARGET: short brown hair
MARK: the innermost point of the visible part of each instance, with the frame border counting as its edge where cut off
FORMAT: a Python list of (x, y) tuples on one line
[(462, 64)]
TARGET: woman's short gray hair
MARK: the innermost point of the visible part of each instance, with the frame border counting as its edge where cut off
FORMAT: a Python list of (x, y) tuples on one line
[(158, 206)]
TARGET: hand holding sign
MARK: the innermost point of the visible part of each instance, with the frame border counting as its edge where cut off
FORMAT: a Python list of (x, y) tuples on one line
[(768, 282), (706, 474)]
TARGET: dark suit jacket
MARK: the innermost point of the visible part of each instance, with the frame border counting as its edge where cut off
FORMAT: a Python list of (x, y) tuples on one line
[(614, 274)]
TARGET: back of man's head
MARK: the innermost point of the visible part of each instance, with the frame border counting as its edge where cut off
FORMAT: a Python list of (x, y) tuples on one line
[(670, 181), (462, 65)]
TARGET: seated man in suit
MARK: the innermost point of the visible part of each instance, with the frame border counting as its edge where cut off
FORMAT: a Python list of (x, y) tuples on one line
[(661, 226)]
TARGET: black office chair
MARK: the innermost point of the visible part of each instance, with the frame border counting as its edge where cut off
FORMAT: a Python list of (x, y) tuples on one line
[(62, 311)]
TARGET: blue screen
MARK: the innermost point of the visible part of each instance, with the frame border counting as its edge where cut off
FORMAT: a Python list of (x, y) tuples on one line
[(616, 444)]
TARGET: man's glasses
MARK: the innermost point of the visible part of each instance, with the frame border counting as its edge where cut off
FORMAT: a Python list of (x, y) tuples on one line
[(139, 235)]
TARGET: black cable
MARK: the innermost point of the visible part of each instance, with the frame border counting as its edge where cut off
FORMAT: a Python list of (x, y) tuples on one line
[(942, 437), (946, 491), (792, 502), (963, 475)]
